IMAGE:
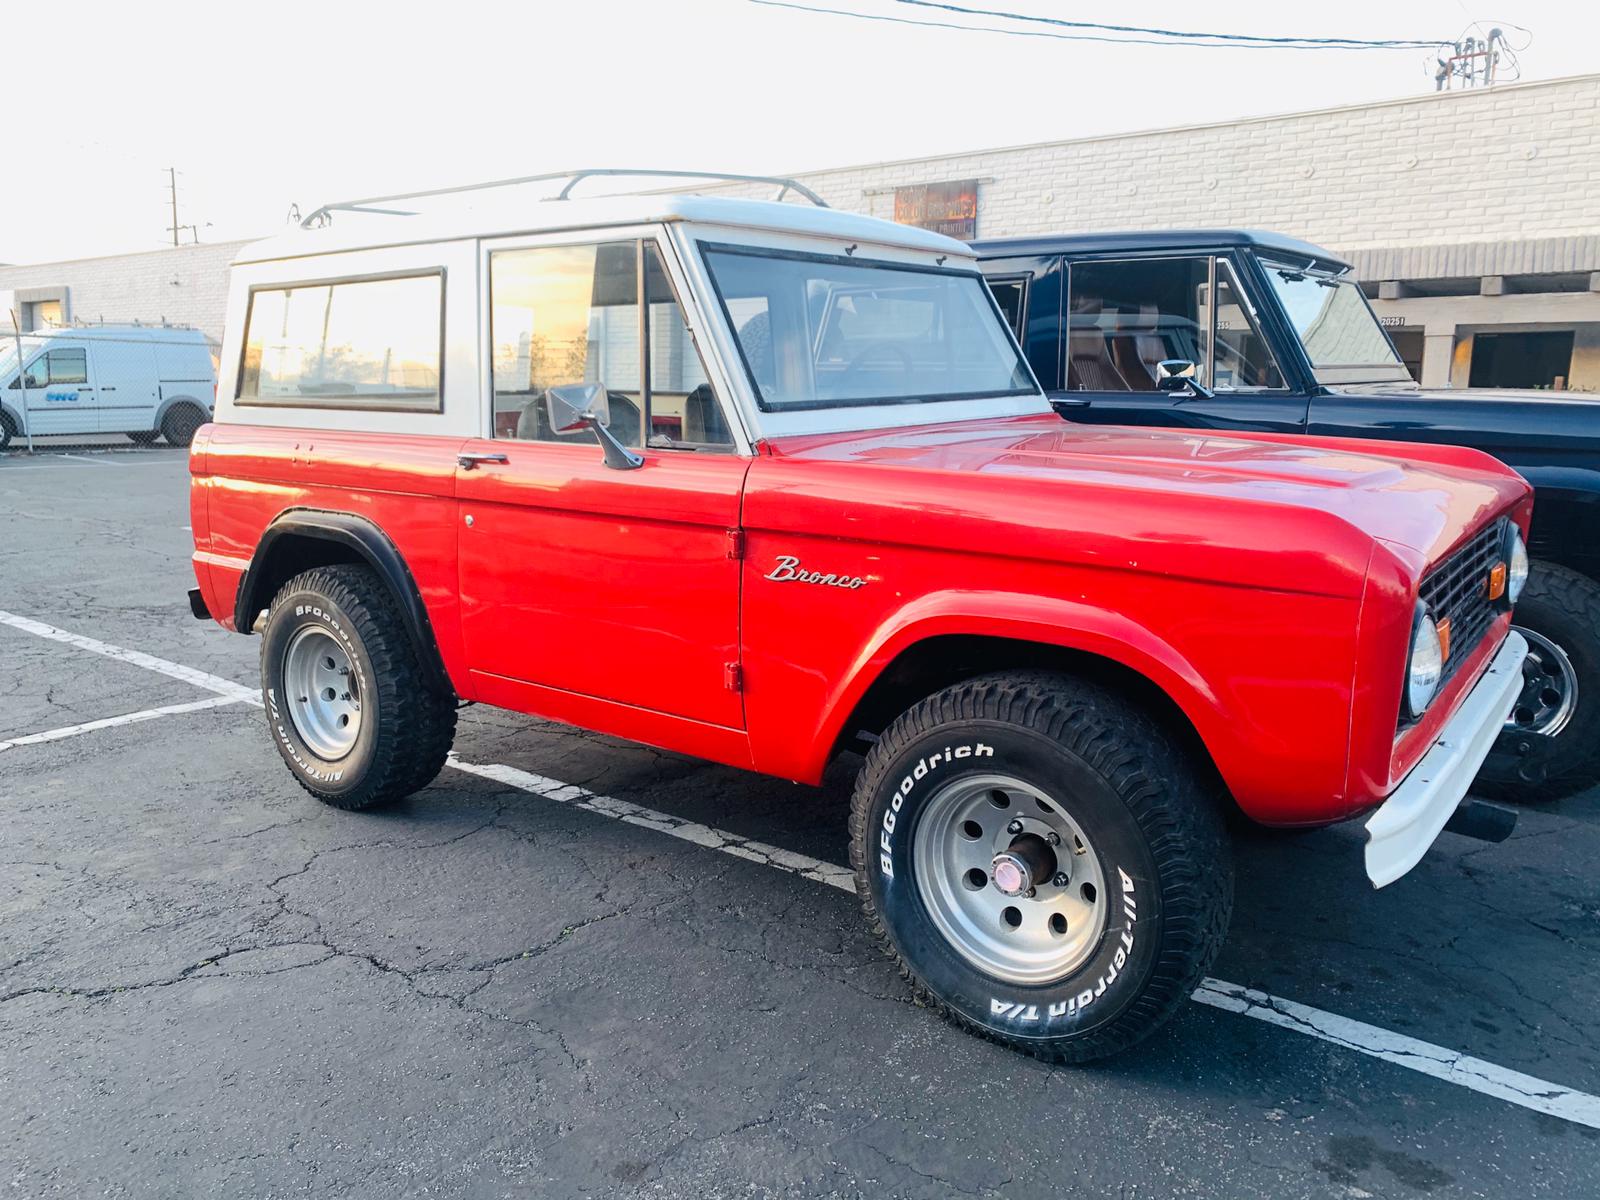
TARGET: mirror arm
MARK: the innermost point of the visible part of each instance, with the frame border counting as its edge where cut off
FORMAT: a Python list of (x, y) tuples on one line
[(618, 456), (1197, 391)]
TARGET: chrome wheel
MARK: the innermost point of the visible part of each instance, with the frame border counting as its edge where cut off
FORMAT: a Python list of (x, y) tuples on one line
[(324, 698), (1549, 688), (1009, 878)]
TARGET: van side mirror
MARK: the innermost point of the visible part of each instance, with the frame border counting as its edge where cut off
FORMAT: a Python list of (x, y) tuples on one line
[(575, 406), (1180, 375)]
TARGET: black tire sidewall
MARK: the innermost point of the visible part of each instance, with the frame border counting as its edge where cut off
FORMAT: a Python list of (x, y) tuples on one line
[(1543, 612), (1114, 974), (297, 610)]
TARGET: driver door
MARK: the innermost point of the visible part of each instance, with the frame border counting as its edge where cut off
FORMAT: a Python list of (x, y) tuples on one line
[(589, 592)]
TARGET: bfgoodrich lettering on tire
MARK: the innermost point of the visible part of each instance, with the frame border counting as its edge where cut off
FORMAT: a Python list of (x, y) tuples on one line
[(345, 696), (1045, 865)]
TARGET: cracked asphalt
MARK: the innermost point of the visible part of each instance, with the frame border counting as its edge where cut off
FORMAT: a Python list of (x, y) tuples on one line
[(211, 985)]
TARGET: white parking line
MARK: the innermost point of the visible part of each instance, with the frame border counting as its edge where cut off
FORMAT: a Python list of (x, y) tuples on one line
[(137, 658), (1452, 1066), (1438, 1062), (802, 865), (133, 718)]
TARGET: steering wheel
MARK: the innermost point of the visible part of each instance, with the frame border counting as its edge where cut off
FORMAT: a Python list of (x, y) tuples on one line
[(867, 352)]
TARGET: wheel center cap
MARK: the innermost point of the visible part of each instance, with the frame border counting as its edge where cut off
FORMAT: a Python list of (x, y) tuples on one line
[(1022, 866), (1010, 874)]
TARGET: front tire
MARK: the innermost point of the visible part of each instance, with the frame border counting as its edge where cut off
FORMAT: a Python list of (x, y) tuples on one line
[(348, 705), (1556, 724), (8, 430), (1029, 780)]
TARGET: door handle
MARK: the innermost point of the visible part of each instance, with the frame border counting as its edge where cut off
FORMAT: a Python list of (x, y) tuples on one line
[(108, 389), (468, 462)]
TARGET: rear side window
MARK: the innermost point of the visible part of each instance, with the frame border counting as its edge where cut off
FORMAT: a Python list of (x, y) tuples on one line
[(359, 343)]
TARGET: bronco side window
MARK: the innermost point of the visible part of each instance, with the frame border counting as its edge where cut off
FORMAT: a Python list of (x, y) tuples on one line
[(1124, 317), (1243, 358), (350, 344), (572, 314)]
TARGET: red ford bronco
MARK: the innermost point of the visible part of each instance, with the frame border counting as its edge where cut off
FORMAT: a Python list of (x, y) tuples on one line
[(763, 483)]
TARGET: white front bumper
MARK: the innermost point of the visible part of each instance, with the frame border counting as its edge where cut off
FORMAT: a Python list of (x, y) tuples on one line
[(1409, 821)]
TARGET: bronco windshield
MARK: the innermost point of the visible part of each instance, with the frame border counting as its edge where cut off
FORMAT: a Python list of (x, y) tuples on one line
[(817, 331), (1335, 324)]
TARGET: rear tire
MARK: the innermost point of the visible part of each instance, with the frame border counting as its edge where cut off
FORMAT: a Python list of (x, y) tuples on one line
[(1123, 843), (347, 701), (147, 437), (1562, 608), (180, 424)]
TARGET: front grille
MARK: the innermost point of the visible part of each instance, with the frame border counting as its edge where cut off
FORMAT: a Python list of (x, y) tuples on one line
[(1458, 588)]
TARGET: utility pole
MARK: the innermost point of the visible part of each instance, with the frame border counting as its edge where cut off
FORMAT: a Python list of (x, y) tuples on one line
[(172, 181)]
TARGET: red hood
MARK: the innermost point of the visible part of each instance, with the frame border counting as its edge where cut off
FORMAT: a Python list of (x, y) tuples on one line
[(1424, 498)]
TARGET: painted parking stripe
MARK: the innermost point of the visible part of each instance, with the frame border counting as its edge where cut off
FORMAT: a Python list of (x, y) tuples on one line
[(689, 831), (1452, 1066), (137, 658), (1439, 1062), (133, 718)]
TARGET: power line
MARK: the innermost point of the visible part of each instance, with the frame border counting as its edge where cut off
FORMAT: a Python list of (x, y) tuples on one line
[(1189, 35), (1076, 37)]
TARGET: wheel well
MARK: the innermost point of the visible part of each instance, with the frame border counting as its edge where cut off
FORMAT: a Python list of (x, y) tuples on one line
[(285, 558), (936, 663), (300, 541), (1565, 531)]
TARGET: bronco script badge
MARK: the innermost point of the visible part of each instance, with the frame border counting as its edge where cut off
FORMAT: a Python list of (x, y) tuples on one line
[(789, 570)]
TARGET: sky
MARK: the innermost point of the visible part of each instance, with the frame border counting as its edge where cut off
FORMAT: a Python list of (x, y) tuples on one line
[(263, 105)]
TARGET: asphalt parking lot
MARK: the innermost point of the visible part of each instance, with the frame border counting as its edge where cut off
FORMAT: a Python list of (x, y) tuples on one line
[(574, 966)]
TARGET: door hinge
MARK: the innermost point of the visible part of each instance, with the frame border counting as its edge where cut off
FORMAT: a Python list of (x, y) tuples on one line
[(733, 677), (735, 543)]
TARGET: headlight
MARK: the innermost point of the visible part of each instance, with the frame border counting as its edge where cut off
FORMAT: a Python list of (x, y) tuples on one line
[(1425, 667), (1516, 564)]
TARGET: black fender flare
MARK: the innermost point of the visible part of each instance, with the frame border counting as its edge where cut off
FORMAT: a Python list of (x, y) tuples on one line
[(374, 548)]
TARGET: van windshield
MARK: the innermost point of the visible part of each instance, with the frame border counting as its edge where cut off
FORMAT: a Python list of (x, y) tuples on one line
[(818, 331), (1335, 324)]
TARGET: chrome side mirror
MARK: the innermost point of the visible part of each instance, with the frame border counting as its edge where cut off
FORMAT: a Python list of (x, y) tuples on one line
[(575, 406), (1180, 375)]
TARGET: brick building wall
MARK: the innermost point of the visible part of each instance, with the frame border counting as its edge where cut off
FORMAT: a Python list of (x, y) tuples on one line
[(184, 285), (1512, 162), (1462, 212)]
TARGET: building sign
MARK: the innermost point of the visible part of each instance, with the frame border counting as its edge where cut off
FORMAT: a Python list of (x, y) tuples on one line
[(947, 208)]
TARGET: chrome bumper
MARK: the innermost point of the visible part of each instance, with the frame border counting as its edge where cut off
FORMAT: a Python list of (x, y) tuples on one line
[(1409, 821)]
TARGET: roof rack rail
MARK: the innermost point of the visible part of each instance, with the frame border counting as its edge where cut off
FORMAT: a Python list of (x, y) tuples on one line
[(324, 215)]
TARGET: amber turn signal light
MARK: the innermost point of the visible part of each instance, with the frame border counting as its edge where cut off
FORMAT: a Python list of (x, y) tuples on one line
[(1444, 639), (1497, 581)]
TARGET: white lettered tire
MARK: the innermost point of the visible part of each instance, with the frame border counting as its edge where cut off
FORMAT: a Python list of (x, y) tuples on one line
[(1046, 781), (347, 703)]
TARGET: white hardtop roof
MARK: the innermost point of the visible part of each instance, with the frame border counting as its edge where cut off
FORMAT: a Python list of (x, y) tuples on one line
[(361, 231)]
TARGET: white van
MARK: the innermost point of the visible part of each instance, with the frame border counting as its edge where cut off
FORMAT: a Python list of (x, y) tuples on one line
[(144, 381)]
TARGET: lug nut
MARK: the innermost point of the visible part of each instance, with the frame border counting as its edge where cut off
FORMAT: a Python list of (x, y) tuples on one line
[(1032, 892), (1014, 828), (1060, 879), (1053, 838)]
